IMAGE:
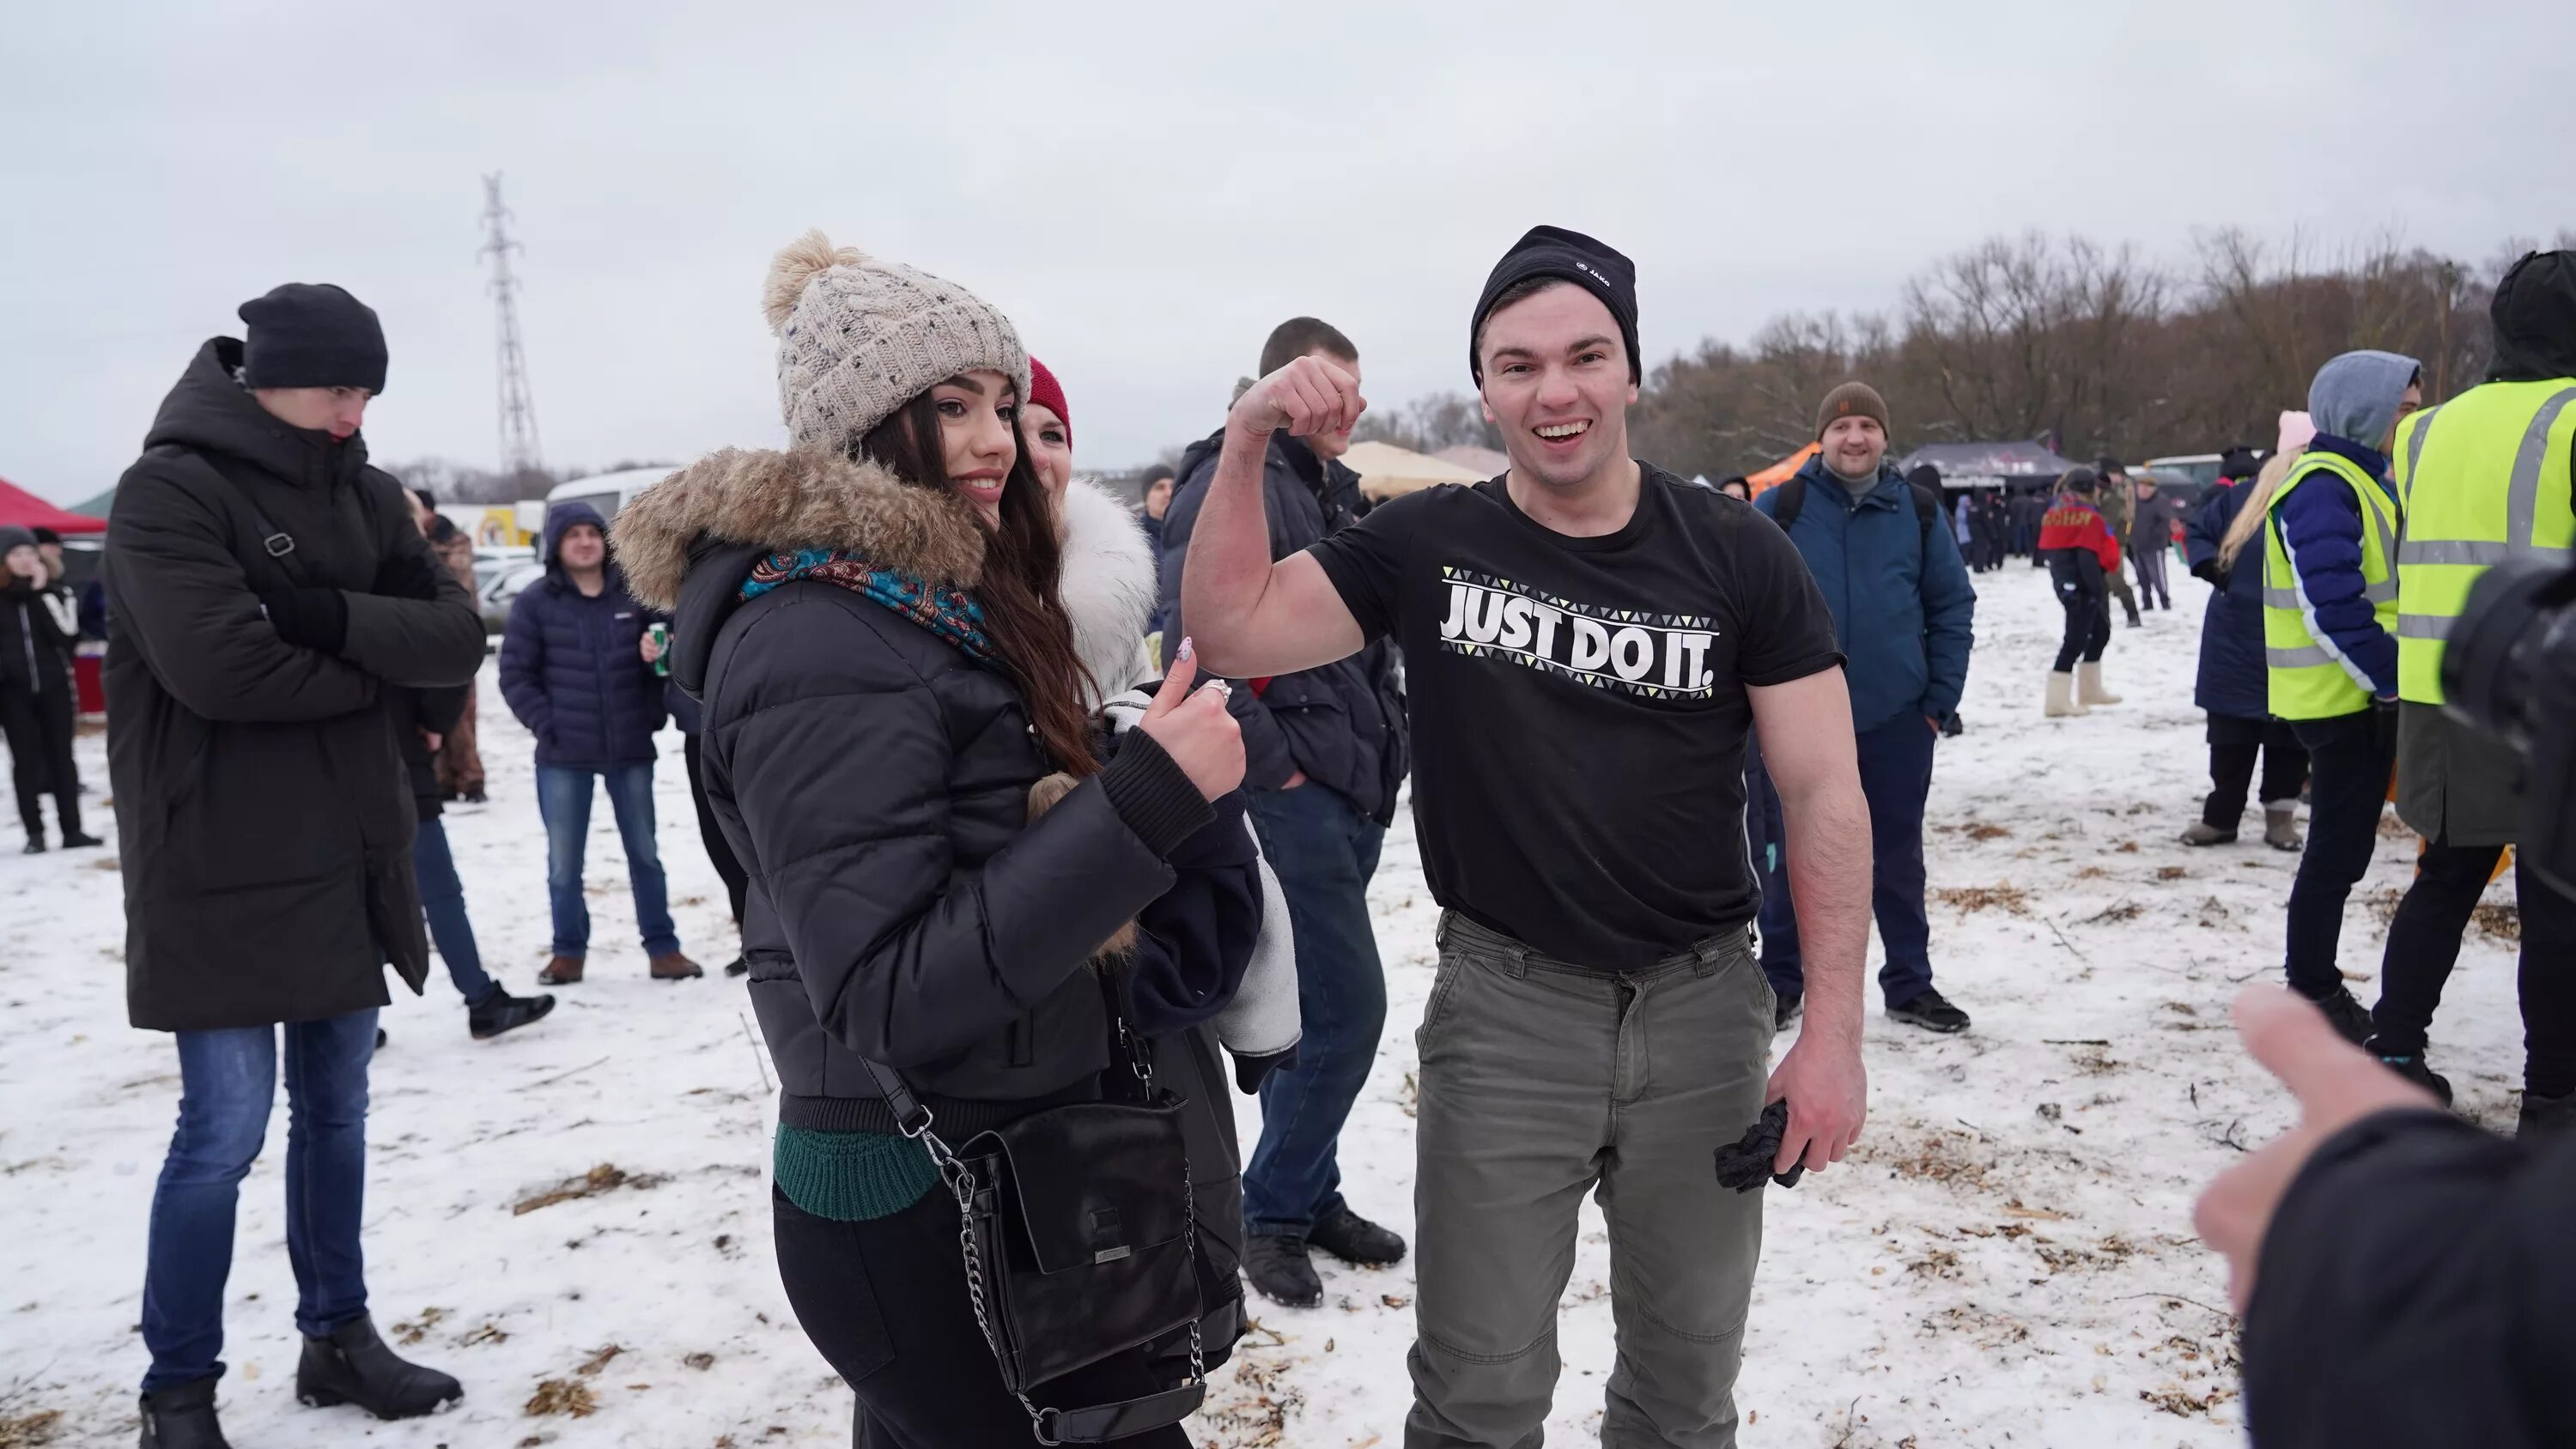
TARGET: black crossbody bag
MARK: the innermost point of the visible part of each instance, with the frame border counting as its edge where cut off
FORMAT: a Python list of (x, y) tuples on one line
[(1079, 1237)]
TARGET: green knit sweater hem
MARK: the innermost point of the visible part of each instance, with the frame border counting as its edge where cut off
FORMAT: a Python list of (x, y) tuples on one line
[(851, 1177)]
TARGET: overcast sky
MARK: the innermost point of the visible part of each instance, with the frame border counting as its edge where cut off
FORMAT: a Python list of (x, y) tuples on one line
[(1146, 190)]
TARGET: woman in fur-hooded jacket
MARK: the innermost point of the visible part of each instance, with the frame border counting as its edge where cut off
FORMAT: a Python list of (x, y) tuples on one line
[(873, 622)]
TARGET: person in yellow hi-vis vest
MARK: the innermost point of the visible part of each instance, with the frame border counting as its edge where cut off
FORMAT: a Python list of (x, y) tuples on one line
[(2329, 644), (2488, 476)]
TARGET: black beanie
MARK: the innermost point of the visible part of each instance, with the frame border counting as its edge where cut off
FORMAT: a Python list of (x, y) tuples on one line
[(2238, 463), (307, 335), (1566, 256)]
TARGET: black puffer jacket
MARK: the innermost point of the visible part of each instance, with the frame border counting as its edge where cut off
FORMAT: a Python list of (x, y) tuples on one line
[(875, 781), (264, 818)]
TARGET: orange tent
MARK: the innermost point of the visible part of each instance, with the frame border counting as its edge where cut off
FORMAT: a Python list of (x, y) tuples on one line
[(1782, 471)]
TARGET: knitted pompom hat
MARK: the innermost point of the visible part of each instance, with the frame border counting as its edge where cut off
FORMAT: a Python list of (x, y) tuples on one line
[(858, 338)]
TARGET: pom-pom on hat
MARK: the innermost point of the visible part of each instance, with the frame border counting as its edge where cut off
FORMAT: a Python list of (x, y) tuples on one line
[(859, 337)]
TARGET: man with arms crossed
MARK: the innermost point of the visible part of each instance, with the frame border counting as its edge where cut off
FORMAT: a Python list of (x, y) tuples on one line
[(1588, 640)]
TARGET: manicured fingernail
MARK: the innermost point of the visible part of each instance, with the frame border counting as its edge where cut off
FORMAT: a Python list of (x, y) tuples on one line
[(1188, 649)]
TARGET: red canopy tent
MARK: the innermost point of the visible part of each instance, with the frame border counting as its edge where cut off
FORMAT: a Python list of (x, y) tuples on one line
[(23, 509)]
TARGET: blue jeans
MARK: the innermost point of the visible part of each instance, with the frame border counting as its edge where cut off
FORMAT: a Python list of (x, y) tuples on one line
[(563, 799), (1323, 852), (442, 899), (227, 1081), (1896, 776)]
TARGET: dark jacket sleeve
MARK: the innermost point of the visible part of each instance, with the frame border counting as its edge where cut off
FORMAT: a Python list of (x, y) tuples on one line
[(185, 605), (2320, 524), (2413, 1289), (2207, 529), (438, 710), (840, 767), (1267, 763), (1196, 939), (1949, 623), (424, 643), (523, 661)]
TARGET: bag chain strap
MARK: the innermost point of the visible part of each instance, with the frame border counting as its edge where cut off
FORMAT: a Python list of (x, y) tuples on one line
[(961, 1183)]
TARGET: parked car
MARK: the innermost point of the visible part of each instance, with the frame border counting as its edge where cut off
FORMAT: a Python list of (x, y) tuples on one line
[(497, 591), (2198, 468)]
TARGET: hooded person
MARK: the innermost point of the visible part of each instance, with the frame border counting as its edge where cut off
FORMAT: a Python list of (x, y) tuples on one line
[(39, 625), (2082, 553), (267, 589), (2488, 476), (2329, 541), (577, 668), (874, 624)]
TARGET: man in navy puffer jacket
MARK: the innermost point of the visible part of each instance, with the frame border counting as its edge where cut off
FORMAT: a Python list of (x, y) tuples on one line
[(577, 669)]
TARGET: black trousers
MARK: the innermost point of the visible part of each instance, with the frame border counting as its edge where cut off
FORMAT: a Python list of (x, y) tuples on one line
[(2088, 624), (2350, 757), (2234, 744), (886, 1303), (719, 850), (2424, 944), (39, 728)]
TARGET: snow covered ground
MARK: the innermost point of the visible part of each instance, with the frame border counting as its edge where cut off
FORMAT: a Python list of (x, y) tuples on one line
[(2008, 1259)]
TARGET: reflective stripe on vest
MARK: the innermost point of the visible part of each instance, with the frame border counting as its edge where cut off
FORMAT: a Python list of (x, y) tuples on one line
[(2310, 678), (2475, 496)]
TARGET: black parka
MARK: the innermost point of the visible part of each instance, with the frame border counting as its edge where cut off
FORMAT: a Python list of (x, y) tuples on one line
[(264, 817), (874, 779)]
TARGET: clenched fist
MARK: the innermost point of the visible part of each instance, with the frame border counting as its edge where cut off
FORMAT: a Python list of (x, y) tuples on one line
[(1307, 397)]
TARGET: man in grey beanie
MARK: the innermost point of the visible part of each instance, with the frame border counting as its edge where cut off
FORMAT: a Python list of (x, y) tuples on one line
[(267, 593)]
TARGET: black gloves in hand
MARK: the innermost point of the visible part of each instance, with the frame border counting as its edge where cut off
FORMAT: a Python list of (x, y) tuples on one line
[(308, 618), (406, 576), (1744, 1163)]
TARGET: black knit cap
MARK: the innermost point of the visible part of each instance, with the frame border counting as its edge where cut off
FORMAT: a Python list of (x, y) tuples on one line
[(309, 335), (1566, 256)]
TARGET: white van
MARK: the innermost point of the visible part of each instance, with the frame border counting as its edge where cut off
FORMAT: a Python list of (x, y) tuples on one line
[(607, 492)]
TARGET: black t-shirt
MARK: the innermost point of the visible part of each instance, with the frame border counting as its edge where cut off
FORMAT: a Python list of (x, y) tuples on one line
[(1579, 706)]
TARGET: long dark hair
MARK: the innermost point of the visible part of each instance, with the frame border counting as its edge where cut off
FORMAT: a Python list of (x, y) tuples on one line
[(1021, 591)]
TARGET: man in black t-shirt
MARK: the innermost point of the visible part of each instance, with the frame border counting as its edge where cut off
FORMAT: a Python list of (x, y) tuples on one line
[(1587, 641)]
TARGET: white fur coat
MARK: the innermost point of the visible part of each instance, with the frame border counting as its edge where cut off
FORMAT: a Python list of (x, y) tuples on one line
[(1110, 588)]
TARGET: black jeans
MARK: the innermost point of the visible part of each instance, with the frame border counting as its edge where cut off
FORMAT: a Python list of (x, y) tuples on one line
[(2234, 744), (2350, 757), (2424, 944), (719, 851), (2088, 624), (886, 1303)]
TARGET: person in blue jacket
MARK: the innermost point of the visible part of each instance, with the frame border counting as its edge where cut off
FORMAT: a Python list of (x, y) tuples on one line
[(2356, 401), (2233, 685), (577, 670), (1904, 614)]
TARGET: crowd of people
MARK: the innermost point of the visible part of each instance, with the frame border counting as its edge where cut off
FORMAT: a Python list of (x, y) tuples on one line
[(1034, 814)]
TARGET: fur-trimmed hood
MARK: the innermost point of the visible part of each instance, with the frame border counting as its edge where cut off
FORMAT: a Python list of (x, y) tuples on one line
[(798, 499), (771, 501)]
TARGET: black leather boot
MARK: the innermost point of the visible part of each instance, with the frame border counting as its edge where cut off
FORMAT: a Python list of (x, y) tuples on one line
[(182, 1416), (353, 1366)]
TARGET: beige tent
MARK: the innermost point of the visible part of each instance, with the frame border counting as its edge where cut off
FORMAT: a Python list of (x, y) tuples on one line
[(1386, 470), (1488, 462)]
